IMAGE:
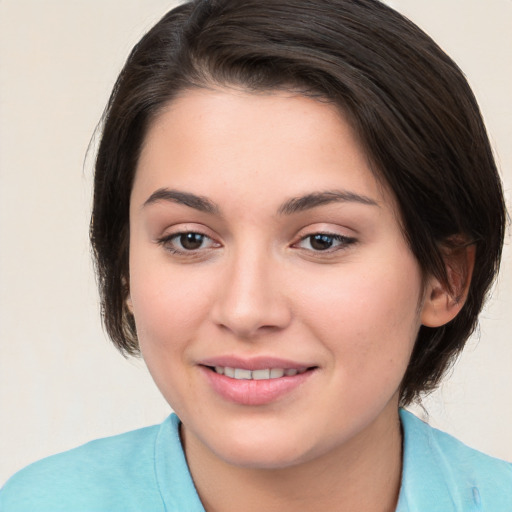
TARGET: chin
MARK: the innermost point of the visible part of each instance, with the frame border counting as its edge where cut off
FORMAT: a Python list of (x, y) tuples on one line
[(261, 450), (266, 457)]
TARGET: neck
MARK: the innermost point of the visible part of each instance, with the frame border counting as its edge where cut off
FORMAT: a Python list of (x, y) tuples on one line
[(363, 475)]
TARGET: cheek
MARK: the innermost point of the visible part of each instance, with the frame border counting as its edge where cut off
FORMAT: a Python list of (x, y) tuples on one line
[(163, 303), (368, 319), (169, 311), (166, 308)]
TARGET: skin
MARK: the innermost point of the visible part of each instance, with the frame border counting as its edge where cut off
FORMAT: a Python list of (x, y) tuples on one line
[(256, 286)]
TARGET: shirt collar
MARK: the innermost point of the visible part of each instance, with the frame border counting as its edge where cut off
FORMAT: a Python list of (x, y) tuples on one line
[(429, 481)]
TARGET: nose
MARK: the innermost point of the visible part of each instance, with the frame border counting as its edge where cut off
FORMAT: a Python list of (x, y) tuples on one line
[(251, 300)]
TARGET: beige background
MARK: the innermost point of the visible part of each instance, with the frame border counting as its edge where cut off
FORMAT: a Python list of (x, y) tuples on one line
[(61, 383)]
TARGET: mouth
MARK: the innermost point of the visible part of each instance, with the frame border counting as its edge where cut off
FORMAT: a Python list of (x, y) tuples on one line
[(257, 386), (260, 374)]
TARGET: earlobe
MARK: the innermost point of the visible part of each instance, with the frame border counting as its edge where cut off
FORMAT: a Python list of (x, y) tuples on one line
[(439, 305), (129, 304), (443, 301), (126, 291)]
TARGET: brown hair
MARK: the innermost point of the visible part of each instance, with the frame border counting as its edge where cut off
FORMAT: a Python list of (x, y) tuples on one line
[(406, 99)]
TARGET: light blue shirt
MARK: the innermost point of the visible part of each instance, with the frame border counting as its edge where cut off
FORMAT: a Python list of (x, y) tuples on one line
[(146, 471)]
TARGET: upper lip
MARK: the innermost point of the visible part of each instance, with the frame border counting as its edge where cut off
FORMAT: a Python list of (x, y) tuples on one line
[(254, 363)]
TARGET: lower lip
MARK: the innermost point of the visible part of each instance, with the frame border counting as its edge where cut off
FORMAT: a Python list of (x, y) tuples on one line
[(254, 392)]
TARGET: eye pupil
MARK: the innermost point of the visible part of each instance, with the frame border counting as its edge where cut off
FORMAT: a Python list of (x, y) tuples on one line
[(191, 241), (321, 242)]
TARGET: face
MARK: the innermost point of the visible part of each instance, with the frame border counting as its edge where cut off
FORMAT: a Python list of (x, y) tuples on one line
[(275, 298)]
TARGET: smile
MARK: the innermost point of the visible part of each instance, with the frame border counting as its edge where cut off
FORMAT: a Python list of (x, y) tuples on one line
[(263, 374), (258, 382)]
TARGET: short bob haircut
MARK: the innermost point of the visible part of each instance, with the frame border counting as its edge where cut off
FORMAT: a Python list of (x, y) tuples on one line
[(407, 101)]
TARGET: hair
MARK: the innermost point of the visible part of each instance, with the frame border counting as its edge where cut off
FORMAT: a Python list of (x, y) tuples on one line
[(408, 102)]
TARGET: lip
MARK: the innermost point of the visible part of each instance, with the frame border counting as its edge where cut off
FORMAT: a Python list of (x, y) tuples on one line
[(255, 363), (254, 392)]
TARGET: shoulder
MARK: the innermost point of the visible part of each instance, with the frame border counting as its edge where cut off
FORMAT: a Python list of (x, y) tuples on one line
[(444, 472), (115, 473)]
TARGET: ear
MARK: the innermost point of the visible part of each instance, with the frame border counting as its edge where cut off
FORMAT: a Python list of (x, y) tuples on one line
[(442, 302), (129, 303), (126, 289)]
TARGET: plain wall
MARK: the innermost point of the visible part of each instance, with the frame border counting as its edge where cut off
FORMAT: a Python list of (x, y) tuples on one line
[(61, 382)]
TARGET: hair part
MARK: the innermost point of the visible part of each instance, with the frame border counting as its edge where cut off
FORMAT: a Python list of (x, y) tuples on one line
[(407, 101)]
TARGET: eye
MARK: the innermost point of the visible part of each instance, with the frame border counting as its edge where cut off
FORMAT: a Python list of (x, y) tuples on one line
[(325, 242), (190, 241)]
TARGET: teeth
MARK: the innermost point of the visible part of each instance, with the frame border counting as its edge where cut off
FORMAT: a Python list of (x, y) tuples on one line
[(268, 373), (276, 373), (243, 374), (229, 372), (261, 374)]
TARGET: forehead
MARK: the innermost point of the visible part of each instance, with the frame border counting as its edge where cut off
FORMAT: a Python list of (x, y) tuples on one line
[(240, 145)]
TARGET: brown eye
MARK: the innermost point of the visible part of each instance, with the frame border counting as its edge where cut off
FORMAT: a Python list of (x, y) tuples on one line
[(191, 241), (321, 242), (325, 242), (187, 242)]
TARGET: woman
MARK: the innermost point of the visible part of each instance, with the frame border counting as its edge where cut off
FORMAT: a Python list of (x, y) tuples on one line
[(296, 220)]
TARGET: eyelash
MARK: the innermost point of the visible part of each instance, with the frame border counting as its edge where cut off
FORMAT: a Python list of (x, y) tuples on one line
[(167, 242), (169, 245), (344, 242)]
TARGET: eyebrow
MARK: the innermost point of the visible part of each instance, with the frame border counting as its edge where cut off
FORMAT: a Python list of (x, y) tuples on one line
[(289, 207), (300, 204), (203, 204)]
